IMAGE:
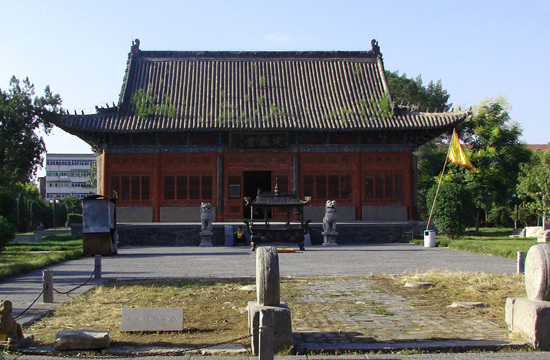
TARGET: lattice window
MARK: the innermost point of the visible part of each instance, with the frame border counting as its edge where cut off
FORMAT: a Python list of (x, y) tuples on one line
[(384, 187), (133, 188)]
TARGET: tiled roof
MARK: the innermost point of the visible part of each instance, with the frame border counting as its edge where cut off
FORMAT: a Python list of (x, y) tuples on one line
[(256, 91), (534, 147)]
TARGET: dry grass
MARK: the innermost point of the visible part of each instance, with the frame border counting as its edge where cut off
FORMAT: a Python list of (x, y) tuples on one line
[(449, 287), (214, 309)]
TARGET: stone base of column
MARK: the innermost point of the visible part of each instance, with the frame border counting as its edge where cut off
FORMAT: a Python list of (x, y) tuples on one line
[(282, 326)]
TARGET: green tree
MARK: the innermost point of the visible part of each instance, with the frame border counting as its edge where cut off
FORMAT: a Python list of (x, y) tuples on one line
[(534, 182), (495, 150), (431, 155), (61, 214), (7, 232), (21, 115), (92, 177), (454, 207), (28, 206), (22, 213), (35, 213), (72, 204), (413, 92)]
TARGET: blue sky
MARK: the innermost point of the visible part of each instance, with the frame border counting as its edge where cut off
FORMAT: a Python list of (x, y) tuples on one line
[(478, 49)]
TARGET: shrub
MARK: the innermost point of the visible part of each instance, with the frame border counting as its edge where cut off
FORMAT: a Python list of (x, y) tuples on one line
[(7, 232), (75, 218), (453, 209)]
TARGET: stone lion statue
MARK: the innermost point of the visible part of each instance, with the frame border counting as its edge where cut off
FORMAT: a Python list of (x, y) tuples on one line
[(206, 217), (10, 330), (329, 221)]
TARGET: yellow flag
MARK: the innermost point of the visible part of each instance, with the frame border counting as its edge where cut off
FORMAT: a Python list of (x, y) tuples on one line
[(456, 153)]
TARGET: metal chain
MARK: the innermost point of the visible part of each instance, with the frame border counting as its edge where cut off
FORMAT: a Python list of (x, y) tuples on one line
[(73, 289), (24, 311), (59, 292), (90, 278)]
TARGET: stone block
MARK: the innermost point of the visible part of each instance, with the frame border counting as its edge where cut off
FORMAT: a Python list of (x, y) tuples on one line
[(134, 214), (329, 237), (151, 319), (533, 231), (418, 284), (206, 238), (282, 326), (544, 237), (27, 238), (228, 234), (76, 231), (530, 318), (82, 340), (385, 213)]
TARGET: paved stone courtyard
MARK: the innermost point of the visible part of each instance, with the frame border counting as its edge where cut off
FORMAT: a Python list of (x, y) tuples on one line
[(348, 311), (371, 318)]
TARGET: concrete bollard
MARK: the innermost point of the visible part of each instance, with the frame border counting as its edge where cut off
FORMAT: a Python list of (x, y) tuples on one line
[(521, 262), (47, 286), (267, 322), (97, 269)]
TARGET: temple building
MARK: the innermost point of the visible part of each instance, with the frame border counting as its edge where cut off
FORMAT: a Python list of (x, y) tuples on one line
[(216, 126)]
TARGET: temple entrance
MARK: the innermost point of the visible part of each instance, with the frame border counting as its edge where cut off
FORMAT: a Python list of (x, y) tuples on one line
[(252, 181)]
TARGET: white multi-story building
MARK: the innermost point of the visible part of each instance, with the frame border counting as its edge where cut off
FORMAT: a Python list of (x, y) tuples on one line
[(67, 174)]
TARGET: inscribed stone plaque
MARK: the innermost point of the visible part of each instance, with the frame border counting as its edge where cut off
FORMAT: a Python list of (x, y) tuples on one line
[(152, 319)]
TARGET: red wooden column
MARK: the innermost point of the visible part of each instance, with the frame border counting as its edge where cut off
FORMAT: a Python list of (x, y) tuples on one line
[(102, 173), (219, 189), (156, 186), (358, 191), (411, 177)]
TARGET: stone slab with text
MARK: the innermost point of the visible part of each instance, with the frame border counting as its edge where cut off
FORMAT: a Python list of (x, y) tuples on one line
[(151, 319)]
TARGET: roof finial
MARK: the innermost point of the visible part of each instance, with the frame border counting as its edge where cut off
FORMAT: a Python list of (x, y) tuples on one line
[(135, 46), (375, 47)]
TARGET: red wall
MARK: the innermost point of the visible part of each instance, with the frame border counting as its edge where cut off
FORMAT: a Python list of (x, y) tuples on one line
[(353, 179)]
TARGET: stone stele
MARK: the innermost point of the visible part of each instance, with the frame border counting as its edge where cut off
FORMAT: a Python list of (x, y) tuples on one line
[(81, 340)]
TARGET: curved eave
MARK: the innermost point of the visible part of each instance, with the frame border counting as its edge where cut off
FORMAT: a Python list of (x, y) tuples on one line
[(116, 123)]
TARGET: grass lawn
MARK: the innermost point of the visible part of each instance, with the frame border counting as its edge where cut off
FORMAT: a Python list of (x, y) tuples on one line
[(21, 258), (490, 241)]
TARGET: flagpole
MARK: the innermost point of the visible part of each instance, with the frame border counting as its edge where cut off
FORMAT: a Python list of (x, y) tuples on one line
[(438, 186)]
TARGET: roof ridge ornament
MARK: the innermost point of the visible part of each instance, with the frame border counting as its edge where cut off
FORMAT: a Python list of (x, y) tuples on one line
[(375, 47), (135, 46)]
